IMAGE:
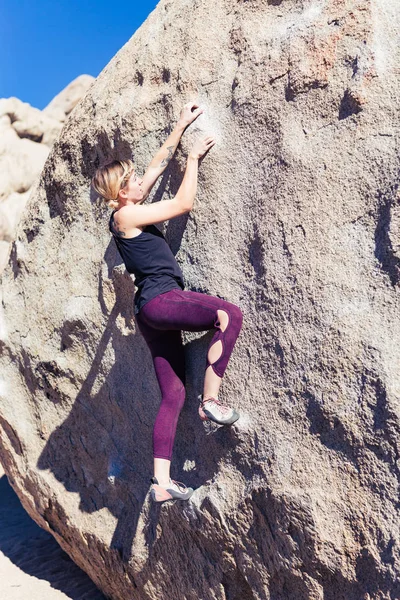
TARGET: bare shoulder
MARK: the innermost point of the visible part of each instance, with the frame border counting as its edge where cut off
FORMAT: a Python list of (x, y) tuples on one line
[(124, 222)]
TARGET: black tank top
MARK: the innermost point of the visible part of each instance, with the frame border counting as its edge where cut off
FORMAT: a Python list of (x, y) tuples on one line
[(150, 259)]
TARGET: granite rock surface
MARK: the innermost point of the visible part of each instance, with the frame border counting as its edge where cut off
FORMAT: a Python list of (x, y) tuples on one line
[(296, 220)]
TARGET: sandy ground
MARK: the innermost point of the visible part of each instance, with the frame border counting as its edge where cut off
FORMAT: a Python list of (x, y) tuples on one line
[(32, 565)]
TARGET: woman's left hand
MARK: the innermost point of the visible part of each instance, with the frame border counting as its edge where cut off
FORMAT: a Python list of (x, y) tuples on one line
[(189, 113)]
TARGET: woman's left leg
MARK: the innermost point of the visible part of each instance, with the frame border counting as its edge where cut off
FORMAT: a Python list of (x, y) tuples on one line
[(167, 351)]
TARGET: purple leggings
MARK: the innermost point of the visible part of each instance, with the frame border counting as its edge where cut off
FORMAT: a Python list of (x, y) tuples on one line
[(160, 321)]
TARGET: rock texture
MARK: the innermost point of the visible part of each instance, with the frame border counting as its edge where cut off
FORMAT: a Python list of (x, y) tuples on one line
[(26, 136), (297, 221)]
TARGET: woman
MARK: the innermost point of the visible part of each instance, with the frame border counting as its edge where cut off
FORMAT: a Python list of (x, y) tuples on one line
[(162, 307)]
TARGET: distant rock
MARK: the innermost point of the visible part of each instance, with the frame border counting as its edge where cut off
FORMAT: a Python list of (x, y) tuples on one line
[(62, 104), (29, 122), (26, 136)]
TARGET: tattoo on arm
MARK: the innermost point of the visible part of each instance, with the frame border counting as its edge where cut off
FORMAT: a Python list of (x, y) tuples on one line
[(165, 161), (118, 230)]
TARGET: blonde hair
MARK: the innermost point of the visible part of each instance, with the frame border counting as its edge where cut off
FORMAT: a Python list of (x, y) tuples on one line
[(110, 178)]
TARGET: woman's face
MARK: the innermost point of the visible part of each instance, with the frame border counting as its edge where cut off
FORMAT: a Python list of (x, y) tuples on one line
[(133, 188)]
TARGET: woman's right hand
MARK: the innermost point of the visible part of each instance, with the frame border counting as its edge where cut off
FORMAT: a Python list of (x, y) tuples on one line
[(201, 146)]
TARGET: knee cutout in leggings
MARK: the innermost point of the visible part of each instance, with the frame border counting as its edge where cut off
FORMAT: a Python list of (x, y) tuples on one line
[(215, 351), (214, 365), (218, 338), (218, 320)]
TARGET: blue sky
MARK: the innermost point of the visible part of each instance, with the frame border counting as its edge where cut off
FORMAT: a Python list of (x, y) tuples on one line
[(45, 44)]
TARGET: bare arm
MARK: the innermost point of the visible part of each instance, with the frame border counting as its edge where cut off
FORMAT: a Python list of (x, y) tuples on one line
[(162, 158), (136, 215), (188, 188), (189, 113), (157, 212)]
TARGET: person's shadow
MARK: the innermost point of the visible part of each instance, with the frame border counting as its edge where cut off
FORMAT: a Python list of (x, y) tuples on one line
[(103, 449)]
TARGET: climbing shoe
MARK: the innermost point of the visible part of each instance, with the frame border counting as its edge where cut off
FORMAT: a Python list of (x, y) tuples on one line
[(174, 490), (212, 409)]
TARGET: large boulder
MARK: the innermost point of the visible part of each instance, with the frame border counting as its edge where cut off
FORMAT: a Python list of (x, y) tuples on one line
[(296, 220)]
